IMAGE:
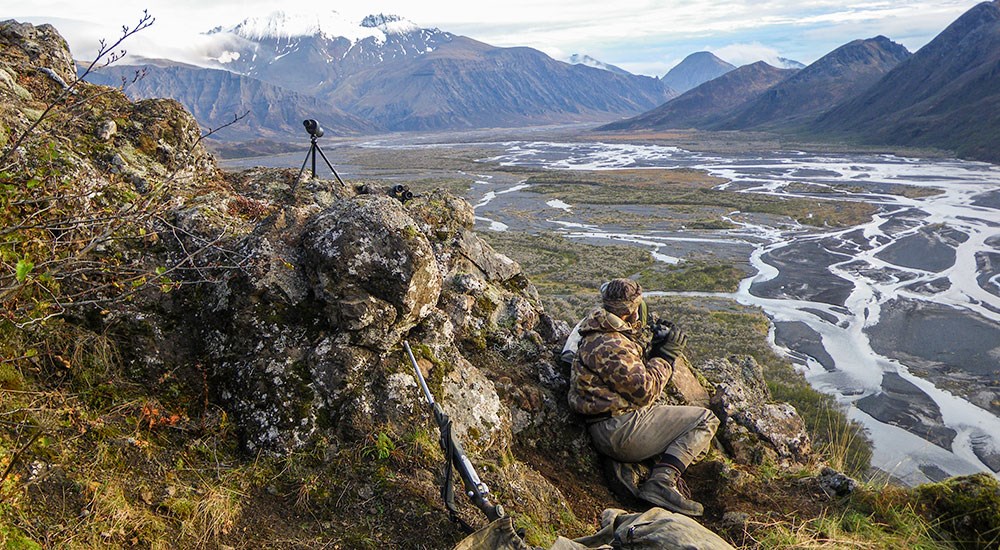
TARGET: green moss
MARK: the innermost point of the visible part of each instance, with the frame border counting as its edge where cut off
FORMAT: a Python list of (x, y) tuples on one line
[(11, 538), (435, 379), (10, 378), (535, 533), (181, 507), (967, 507)]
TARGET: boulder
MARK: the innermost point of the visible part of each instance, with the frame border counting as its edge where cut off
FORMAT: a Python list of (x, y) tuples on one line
[(753, 428), (372, 268)]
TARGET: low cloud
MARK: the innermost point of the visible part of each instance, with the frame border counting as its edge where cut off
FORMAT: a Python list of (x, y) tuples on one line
[(746, 53)]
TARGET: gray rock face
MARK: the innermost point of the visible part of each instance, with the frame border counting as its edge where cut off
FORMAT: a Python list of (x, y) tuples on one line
[(43, 45), (372, 268), (304, 338), (753, 428)]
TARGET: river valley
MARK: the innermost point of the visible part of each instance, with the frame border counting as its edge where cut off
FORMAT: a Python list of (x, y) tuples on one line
[(897, 317)]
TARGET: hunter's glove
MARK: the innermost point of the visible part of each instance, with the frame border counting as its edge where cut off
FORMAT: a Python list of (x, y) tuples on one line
[(670, 346)]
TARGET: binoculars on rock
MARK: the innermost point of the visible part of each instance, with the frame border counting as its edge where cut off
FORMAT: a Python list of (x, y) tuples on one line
[(401, 192)]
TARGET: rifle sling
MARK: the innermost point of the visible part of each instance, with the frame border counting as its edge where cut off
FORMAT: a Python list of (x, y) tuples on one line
[(447, 487)]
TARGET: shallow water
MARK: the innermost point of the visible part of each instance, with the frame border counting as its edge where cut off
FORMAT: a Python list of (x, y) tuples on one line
[(932, 258), (859, 309)]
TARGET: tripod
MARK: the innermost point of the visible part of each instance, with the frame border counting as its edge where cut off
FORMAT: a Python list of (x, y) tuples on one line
[(313, 149)]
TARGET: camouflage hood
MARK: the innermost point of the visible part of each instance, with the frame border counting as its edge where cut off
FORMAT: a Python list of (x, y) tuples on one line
[(601, 320), (610, 373)]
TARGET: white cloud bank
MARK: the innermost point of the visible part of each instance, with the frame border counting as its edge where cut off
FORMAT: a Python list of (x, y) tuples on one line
[(648, 34)]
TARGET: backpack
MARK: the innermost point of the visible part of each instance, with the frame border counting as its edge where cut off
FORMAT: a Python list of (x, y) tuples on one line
[(655, 528)]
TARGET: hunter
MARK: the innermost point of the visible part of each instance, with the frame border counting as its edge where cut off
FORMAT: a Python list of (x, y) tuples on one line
[(617, 374)]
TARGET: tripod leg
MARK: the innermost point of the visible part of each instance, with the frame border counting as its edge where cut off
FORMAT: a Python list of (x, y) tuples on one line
[(303, 169), (314, 147), (335, 174)]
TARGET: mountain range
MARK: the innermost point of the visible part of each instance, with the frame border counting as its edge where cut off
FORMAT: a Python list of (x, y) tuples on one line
[(812, 90), (388, 74), (704, 105), (946, 95)]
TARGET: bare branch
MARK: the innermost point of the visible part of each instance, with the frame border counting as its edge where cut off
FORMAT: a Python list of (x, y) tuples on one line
[(144, 22)]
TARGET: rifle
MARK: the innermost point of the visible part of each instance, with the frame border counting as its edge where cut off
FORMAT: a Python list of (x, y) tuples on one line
[(475, 489)]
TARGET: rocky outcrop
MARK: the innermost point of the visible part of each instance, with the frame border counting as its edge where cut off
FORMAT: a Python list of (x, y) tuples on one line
[(754, 428)]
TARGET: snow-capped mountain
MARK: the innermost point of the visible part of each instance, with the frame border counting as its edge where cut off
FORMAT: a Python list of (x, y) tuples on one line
[(332, 24), (389, 73), (311, 53), (577, 59)]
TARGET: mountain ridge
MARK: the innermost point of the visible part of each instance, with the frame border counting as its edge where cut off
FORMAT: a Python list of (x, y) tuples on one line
[(844, 72), (708, 102), (946, 95), (414, 79)]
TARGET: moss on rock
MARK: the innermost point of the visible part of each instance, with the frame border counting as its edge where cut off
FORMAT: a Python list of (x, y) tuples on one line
[(968, 507)]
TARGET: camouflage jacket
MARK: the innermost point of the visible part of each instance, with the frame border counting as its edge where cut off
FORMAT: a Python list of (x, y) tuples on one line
[(610, 373)]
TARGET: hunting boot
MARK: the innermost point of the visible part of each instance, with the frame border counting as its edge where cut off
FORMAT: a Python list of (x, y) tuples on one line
[(624, 478), (666, 489)]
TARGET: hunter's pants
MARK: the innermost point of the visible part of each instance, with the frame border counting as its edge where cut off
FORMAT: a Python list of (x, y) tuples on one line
[(683, 432)]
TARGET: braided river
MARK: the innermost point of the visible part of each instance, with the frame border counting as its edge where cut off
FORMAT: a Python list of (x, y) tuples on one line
[(898, 318)]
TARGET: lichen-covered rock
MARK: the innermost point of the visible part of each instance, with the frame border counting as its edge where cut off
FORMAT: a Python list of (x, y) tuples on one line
[(372, 268), (752, 427), (42, 46), (836, 483)]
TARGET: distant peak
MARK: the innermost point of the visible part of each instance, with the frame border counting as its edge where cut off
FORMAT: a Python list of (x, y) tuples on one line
[(282, 25)]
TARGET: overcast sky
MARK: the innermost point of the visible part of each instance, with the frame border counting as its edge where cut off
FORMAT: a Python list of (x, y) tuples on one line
[(642, 36)]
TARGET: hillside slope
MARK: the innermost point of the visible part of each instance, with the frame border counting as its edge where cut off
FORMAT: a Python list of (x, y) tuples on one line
[(215, 97), (707, 103), (947, 95), (466, 84), (843, 73)]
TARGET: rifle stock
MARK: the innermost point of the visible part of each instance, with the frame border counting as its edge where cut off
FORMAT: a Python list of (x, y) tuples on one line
[(475, 489)]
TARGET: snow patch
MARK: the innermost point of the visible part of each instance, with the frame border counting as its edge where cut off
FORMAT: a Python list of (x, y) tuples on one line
[(228, 57), (556, 203), (331, 24)]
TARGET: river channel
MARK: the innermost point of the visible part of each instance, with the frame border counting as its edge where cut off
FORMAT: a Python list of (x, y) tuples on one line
[(898, 318)]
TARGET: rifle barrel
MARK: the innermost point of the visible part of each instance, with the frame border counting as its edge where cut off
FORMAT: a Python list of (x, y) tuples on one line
[(420, 375)]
